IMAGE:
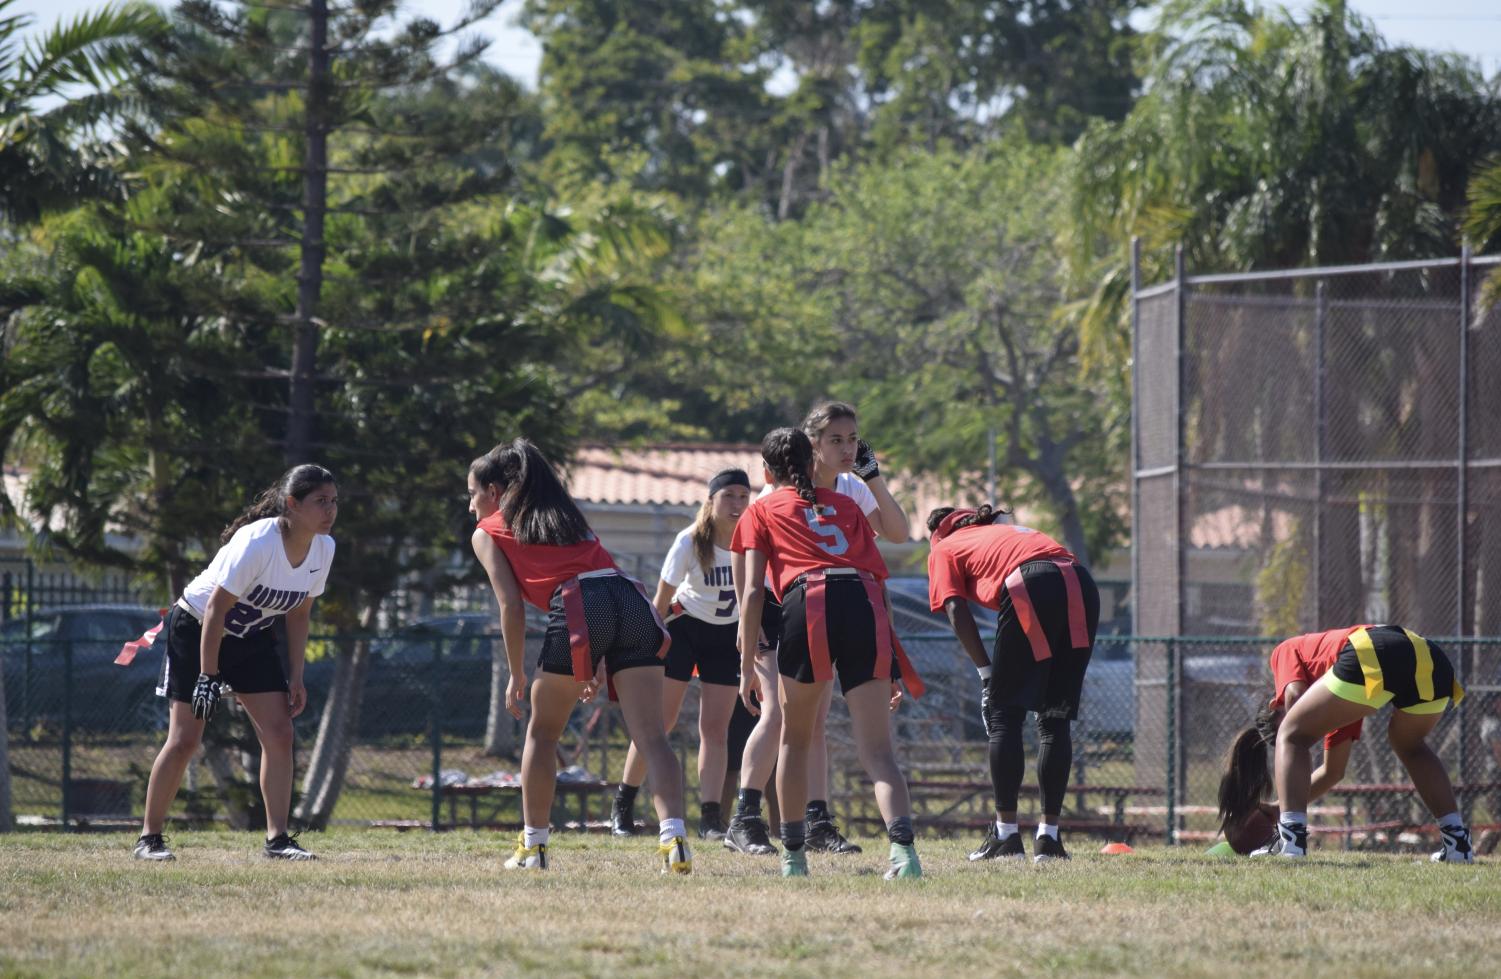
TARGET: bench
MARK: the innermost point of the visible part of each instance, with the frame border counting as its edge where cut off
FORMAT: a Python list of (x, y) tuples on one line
[(960, 793), (494, 798)]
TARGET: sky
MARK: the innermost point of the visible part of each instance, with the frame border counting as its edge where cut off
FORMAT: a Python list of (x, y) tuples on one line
[(1471, 27)]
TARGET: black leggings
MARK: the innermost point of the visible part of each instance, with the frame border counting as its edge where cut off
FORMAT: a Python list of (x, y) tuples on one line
[(1055, 758)]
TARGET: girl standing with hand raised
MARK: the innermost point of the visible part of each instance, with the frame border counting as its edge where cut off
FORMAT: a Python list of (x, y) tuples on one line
[(274, 561), (536, 546)]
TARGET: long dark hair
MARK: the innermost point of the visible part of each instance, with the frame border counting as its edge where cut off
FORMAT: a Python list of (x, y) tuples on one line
[(296, 482), (533, 501), (789, 455), (984, 514), (1248, 771)]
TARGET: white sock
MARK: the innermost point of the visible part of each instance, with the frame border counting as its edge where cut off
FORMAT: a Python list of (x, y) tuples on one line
[(1289, 818), (1047, 829), (532, 835), (670, 829), (1451, 821), (1004, 830), (985, 671)]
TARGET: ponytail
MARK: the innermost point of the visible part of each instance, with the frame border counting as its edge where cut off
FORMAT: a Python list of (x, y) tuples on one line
[(980, 516), (296, 482), (1248, 774), (703, 536), (789, 455), (533, 502)]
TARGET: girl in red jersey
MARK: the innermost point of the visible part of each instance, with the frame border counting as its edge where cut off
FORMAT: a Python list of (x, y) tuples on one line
[(825, 569), (842, 462), (1048, 610), (696, 596), (1325, 685), (536, 546)]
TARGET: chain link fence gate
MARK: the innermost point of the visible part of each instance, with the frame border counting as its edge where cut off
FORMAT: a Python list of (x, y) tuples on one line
[(1311, 449)]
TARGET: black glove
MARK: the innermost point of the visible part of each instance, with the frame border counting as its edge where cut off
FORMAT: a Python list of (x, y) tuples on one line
[(205, 696), (865, 461), (985, 706)]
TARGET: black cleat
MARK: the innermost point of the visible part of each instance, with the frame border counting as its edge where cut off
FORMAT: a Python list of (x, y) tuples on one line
[(747, 834), (622, 819), (711, 828), (995, 848), (824, 837), (153, 846), (1047, 848), (284, 847)]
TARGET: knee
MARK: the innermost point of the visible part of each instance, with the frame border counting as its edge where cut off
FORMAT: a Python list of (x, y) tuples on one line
[(276, 739), (182, 745), (1051, 730), (712, 737)]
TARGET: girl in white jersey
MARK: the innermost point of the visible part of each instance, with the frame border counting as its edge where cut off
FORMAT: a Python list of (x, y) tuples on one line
[(696, 595), (274, 561), (842, 462)]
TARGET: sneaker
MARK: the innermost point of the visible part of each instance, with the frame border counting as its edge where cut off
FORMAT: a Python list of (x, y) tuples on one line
[(1291, 841), (995, 848), (1457, 848), (903, 862), (824, 837), (622, 819), (711, 828), (747, 834), (1046, 848), (153, 846), (284, 847), (794, 863), (676, 858), (527, 857)]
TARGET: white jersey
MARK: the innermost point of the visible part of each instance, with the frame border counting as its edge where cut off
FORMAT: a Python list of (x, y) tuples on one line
[(253, 566), (850, 485), (705, 593)]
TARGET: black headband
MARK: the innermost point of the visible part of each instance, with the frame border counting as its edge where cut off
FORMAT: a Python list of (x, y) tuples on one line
[(728, 477)]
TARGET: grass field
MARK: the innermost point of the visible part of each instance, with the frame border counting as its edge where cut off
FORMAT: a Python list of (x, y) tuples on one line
[(420, 905)]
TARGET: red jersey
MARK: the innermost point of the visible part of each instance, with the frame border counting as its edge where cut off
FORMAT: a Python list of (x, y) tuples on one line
[(541, 568), (797, 538), (973, 562), (1307, 658)]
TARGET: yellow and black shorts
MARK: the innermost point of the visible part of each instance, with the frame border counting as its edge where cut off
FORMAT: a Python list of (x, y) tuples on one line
[(1390, 665)]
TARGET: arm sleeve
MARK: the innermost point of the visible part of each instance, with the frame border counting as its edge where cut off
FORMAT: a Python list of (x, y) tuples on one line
[(245, 559), (945, 578), (675, 565)]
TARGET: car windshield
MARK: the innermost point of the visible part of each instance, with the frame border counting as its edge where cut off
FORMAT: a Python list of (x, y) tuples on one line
[(42, 627)]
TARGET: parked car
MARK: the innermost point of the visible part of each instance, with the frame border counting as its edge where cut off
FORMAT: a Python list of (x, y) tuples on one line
[(105, 697)]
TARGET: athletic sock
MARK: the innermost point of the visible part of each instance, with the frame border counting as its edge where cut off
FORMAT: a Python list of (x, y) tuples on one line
[(793, 835), (1452, 821), (1003, 830), (818, 811), (531, 835), (708, 811), (625, 795), (670, 829), (899, 831), (1047, 829), (748, 802), (1289, 818)]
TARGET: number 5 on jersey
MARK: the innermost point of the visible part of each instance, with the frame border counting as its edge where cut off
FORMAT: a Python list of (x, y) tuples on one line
[(834, 541)]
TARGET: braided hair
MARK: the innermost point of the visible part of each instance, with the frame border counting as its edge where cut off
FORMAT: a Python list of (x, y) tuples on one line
[(789, 455), (984, 514)]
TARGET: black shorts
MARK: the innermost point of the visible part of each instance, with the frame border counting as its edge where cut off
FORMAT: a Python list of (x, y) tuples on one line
[(1052, 687), (1399, 675), (248, 665), (742, 723), (851, 625), (771, 622), (623, 627), (708, 646)]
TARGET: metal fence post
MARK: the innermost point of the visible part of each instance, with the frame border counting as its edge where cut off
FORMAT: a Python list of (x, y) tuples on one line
[(67, 732), (26, 671), (1135, 431), (1320, 436), (1462, 492), (435, 712), (1172, 742)]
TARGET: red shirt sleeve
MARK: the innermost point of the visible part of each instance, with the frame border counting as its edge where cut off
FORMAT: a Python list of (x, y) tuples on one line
[(1350, 732), (946, 578), (750, 531), (1287, 666)]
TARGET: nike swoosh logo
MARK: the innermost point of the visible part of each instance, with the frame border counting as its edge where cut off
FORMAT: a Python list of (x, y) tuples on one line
[(314, 570)]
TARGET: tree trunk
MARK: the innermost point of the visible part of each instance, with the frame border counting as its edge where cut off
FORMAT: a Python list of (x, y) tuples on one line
[(500, 732), (336, 729), (314, 206), (1049, 468)]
